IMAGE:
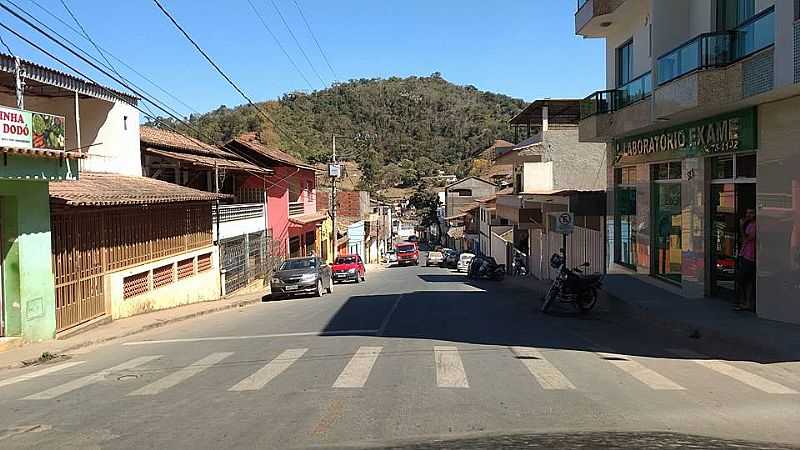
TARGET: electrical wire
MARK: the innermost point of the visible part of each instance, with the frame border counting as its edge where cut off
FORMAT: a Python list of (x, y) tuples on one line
[(278, 42), (6, 46), (313, 36), (303, 52), (225, 76)]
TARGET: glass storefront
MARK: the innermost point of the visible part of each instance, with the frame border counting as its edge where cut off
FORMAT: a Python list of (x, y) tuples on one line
[(667, 221), (625, 217)]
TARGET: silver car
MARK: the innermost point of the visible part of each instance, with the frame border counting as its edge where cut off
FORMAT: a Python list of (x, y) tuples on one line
[(464, 261), (295, 276), (434, 259)]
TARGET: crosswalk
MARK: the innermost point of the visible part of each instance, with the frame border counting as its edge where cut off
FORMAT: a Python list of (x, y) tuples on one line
[(545, 368)]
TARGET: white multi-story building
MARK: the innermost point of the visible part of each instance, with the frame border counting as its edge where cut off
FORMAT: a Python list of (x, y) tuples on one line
[(700, 113)]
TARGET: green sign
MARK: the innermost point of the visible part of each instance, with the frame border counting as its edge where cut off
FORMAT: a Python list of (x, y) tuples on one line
[(27, 129), (732, 132)]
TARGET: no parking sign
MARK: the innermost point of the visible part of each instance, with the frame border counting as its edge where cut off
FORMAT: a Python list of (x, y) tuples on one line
[(563, 222)]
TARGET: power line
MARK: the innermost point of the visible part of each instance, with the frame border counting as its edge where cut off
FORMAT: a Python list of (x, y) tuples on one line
[(6, 46), (277, 41), (118, 60), (313, 36), (291, 33), (225, 76)]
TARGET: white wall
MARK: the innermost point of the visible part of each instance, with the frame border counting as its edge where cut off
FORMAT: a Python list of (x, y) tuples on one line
[(538, 177), (633, 26), (114, 127), (784, 42)]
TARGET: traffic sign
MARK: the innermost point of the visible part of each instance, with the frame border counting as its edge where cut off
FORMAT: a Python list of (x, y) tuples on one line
[(563, 222), (334, 170)]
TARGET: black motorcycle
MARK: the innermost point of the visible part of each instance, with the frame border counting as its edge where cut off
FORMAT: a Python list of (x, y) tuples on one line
[(485, 267), (572, 286), (518, 268)]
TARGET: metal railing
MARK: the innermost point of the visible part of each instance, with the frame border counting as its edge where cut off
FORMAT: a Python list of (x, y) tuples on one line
[(711, 50), (611, 100), (296, 208), (232, 213)]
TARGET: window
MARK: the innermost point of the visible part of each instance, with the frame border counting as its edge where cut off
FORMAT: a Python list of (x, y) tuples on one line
[(797, 9), (625, 220), (667, 221), (463, 192), (729, 167), (625, 63), (732, 13)]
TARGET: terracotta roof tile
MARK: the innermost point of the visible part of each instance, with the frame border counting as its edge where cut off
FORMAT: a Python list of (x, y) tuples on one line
[(249, 142), (304, 219), (171, 140), (108, 189), (209, 161)]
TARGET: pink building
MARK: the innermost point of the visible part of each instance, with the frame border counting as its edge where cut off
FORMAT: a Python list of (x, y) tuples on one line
[(292, 216)]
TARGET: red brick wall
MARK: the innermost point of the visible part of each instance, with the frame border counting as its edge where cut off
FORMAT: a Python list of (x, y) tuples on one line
[(349, 204)]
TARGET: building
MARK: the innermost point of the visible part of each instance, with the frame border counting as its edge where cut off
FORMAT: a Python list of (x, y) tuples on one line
[(555, 172), (240, 221), (700, 117), (464, 192), (493, 229), (295, 223)]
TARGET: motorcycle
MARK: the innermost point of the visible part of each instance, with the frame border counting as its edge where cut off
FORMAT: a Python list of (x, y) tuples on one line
[(485, 267), (518, 268), (572, 286)]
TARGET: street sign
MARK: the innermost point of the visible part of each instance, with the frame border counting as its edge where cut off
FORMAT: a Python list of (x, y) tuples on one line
[(563, 222), (334, 170)]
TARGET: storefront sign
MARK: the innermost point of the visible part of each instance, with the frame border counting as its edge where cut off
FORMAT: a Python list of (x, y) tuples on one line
[(731, 132), (27, 129)]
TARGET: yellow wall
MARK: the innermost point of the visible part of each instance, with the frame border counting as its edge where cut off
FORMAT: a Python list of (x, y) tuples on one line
[(326, 239)]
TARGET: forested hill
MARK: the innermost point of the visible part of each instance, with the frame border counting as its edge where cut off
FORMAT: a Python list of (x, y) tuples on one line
[(397, 129)]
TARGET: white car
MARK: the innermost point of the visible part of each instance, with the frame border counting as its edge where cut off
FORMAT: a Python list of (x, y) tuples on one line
[(391, 256), (464, 260)]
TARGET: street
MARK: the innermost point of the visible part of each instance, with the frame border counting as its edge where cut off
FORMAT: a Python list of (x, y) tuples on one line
[(413, 355)]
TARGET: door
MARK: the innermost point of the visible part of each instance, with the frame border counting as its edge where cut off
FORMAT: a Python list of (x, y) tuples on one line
[(729, 202), (667, 221)]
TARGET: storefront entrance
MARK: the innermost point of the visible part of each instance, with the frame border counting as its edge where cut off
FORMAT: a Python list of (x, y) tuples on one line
[(733, 192), (667, 221)]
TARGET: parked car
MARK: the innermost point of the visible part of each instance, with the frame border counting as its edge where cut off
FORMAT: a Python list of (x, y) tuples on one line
[(407, 253), (450, 258), (309, 275), (349, 268), (413, 238), (434, 259), (391, 256), (464, 260)]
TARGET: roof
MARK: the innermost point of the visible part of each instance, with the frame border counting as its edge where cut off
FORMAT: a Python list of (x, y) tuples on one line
[(465, 179), (109, 189), (43, 153), (249, 142), (307, 218), (560, 111), (167, 139), (36, 74), (499, 143), (208, 161), (500, 170)]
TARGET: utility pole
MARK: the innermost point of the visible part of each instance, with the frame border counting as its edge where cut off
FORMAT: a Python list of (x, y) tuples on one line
[(333, 201), (216, 217), (20, 90)]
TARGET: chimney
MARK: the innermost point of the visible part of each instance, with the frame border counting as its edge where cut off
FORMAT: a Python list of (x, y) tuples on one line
[(544, 118)]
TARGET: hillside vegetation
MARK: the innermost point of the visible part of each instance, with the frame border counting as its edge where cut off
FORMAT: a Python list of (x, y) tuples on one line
[(396, 129)]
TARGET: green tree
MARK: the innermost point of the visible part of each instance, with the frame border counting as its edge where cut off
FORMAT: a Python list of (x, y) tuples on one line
[(426, 204)]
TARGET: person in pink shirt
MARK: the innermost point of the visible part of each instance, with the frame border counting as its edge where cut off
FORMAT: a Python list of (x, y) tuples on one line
[(746, 272)]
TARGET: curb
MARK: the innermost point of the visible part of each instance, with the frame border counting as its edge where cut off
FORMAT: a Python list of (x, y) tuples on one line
[(143, 328)]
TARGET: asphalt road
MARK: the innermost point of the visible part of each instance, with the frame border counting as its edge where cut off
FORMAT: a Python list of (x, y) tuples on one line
[(414, 358)]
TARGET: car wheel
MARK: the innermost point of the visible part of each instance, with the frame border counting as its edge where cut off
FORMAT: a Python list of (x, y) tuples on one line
[(364, 277), (318, 293), (358, 279)]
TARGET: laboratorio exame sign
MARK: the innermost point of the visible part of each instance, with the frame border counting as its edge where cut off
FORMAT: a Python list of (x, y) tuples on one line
[(727, 133), (28, 129)]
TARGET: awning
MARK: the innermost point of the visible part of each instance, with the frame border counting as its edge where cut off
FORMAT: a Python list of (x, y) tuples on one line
[(43, 153), (457, 216), (209, 162), (307, 218), (110, 189)]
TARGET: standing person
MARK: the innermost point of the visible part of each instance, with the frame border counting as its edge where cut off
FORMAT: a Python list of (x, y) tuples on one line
[(746, 272)]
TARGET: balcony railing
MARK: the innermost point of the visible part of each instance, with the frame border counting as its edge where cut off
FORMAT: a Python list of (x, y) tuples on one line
[(711, 50), (607, 101), (296, 208), (581, 3), (233, 213)]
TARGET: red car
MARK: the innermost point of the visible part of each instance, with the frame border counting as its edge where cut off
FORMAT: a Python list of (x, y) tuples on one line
[(349, 268), (407, 253)]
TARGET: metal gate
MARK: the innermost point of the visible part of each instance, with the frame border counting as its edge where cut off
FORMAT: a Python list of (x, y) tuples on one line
[(246, 259), (77, 265)]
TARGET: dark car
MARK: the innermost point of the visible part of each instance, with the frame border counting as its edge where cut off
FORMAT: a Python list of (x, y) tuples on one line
[(450, 258), (349, 268), (295, 276)]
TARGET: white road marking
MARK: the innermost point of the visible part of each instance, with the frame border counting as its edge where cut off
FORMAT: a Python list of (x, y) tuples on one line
[(740, 375), (255, 336), (274, 368), (388, 317), (449, 369), (183, 374), (548, 376), (90, 379), (649, 377), (39, 373), (357, 371)]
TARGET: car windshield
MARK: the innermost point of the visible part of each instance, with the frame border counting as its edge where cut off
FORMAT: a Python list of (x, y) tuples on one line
[(346, 260), (405, 248), (295, 264), (466, 256), (435, 254)]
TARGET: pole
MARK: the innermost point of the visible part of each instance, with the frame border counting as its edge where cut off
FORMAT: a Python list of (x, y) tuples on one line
[(333, 203), (216, 209), (20, 86)]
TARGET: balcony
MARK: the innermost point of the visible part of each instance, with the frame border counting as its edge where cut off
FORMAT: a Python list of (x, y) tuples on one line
[(239, 219), (716, 69), (296, 208), (594, 16), (630, 104)]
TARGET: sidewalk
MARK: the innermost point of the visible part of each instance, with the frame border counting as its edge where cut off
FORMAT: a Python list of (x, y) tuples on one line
[(711, 320), (17, 357)]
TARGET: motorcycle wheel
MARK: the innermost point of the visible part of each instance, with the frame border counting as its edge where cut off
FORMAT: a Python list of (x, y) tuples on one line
[(587, 301), (551, 295)]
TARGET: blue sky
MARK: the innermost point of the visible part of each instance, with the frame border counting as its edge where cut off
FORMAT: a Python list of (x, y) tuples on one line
[(523, 48)]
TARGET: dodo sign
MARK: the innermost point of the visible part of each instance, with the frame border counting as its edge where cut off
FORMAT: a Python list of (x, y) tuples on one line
[(562, 222)]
